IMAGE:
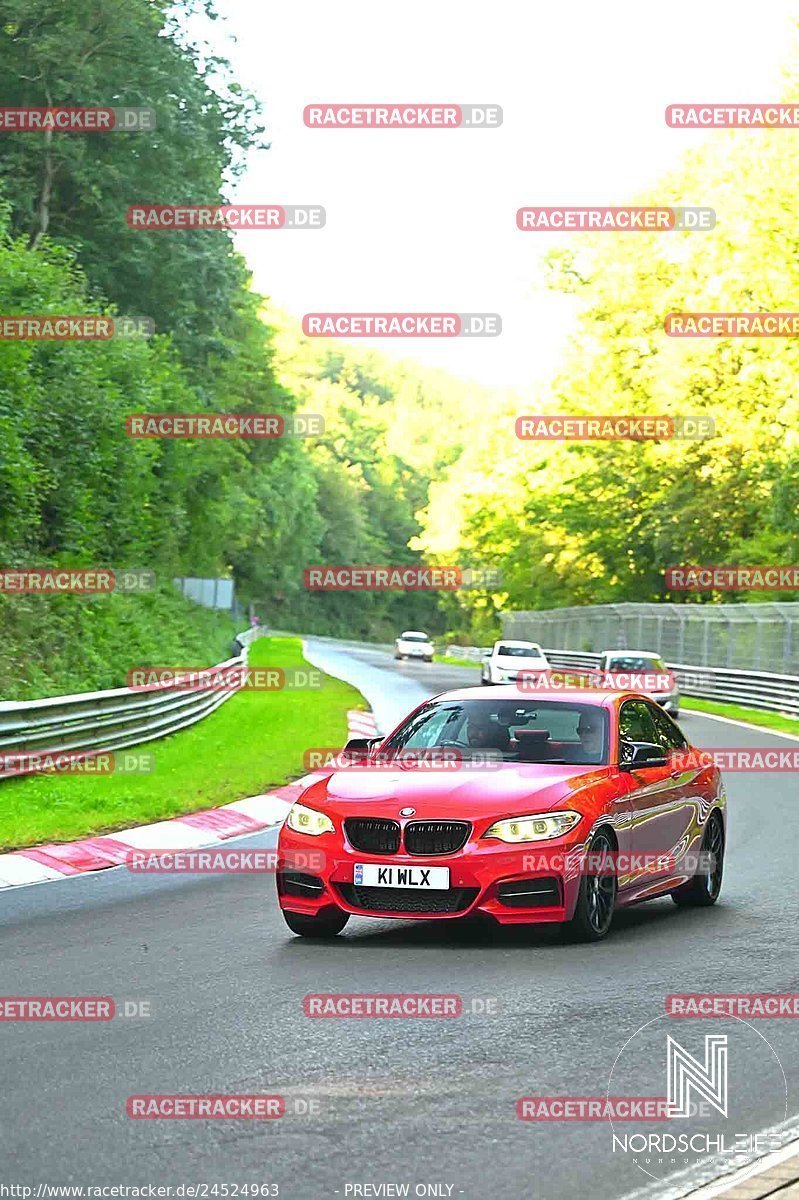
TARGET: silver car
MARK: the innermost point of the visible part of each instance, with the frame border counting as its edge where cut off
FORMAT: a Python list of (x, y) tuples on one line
[(645, 662)]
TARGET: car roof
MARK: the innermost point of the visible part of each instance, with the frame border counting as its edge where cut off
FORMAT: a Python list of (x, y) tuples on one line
[(415, 632), (634, 653), (595, 696), (512, 642)]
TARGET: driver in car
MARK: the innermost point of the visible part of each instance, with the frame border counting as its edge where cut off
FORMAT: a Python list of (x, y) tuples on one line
[(484, 734), (589, 731)]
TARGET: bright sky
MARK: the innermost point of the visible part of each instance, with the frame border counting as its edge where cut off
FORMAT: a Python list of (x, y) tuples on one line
[(424, 221)]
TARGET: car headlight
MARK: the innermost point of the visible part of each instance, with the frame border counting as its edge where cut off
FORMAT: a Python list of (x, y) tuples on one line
[(534, 829), (308, 820)]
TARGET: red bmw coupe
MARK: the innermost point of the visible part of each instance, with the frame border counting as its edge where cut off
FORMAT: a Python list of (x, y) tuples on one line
[(521, 808)]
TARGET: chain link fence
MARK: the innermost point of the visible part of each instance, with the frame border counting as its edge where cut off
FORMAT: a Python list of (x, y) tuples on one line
[(747, 637)]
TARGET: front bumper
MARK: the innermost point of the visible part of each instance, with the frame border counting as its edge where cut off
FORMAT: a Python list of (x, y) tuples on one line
[(527, 884)]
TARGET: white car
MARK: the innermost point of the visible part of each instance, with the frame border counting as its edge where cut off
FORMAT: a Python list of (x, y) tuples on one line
[(413, 644), (507, 658), (643, 662)]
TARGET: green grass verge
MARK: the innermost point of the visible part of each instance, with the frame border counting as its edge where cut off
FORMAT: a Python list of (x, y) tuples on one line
[(754, 716), (254, 742), (447, 660)]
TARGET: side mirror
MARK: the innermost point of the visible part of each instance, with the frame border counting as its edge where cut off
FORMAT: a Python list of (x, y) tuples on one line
[(645, 754), (357, 749)]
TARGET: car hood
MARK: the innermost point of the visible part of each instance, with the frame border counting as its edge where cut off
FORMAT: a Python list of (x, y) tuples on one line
[(458, 793)]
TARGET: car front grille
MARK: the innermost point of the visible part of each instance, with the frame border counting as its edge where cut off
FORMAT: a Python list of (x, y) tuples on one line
[(373, 835), (379, 899), (436, 837)]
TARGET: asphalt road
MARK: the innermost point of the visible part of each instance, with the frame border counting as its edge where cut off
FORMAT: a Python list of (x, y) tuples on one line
[(429, 1102)]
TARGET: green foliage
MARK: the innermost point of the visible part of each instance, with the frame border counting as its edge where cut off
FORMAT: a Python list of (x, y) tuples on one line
[(58, 645), (74, 489), (600, 522), (76, 188), (414, 466), (389, 428)]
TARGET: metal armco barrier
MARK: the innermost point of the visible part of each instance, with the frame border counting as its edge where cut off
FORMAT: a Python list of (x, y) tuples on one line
[(751, 689), (572, 658), (110, 720), (471, 653)]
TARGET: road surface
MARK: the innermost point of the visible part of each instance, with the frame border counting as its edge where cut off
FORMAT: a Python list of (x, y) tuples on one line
[(428, 1102)]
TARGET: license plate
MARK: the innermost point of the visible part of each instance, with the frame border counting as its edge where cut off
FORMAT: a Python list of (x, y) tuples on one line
[(376, 875)]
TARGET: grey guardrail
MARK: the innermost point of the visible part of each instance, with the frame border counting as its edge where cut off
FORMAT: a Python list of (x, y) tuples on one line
[(90, 722), (470, 653), (752, 689)]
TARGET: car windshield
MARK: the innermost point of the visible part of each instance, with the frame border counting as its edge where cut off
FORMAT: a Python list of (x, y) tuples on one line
[(636, 662), (414, 637), (519, 652), (515, 731)]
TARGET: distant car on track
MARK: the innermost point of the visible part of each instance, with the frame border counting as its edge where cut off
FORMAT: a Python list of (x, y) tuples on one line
[(643, 662), (413, 644), (538, 785), (507, 658)]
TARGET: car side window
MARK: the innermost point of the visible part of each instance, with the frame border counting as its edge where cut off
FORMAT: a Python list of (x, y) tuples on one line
[(635, 725), (669, 736)]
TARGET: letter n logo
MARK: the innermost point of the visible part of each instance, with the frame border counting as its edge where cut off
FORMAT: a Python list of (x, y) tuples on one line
[(685, 1075)]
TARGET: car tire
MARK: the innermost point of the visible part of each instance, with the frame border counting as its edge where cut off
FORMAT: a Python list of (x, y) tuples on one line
[(327, 924), (485, 682), (428, 660), (596, 900), (703, 890)]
